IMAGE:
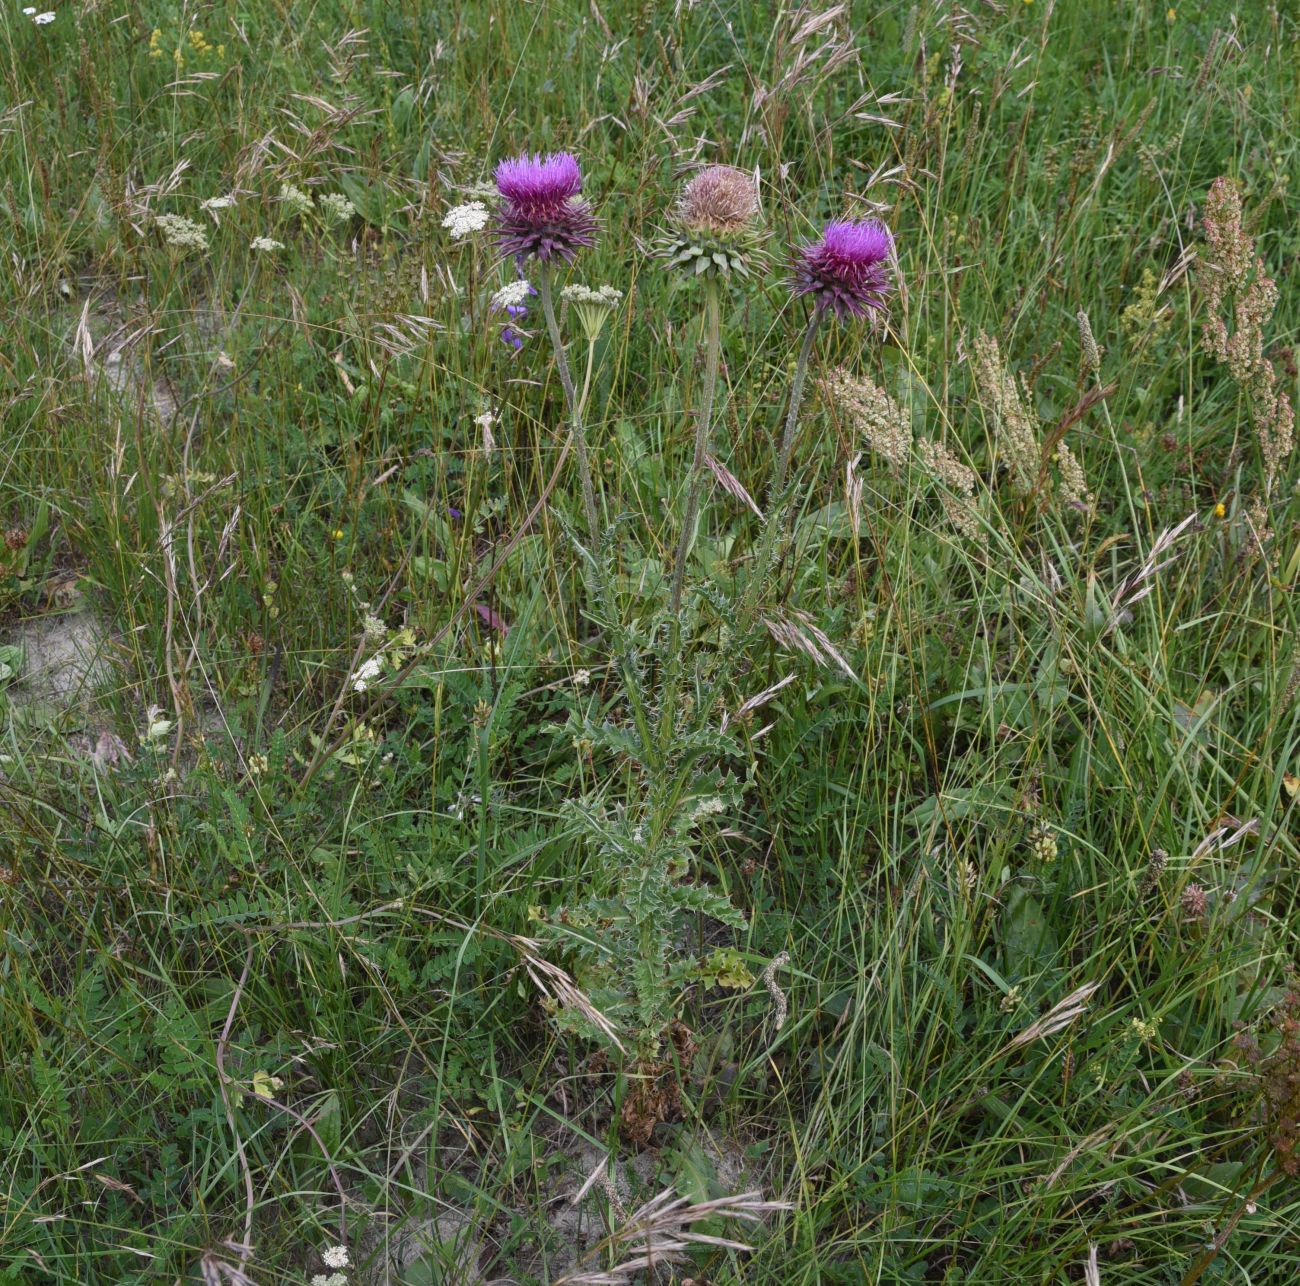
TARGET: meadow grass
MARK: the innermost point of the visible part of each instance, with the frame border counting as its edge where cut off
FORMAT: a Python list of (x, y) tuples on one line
[(1019, 888)]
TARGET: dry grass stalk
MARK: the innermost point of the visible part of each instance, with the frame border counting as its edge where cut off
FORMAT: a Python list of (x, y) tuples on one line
[(1060, 1016), (659, 1233)]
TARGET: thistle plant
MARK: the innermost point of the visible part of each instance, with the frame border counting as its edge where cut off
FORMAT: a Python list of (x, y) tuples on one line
[(684, 774)]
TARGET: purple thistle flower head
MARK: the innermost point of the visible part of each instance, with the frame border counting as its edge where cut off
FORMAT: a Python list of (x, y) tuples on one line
[(847, 270), (541, 214)]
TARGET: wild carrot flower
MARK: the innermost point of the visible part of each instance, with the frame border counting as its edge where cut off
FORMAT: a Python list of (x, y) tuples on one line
[(264, 245), (336, 207), (336, 1257), (510, 299), (592, 306), (513, 293), (541, 213), (461, 220), (846, 271), (181, 233), (296, 199)]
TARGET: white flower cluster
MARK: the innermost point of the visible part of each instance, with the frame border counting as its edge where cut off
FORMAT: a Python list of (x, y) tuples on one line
[(336, 207), (335, 1257), (181, 233), (605, 296), (592, 306), (218, 203), (512, 294), (461, 220), (264, 245), (296, 199), (40, 19)]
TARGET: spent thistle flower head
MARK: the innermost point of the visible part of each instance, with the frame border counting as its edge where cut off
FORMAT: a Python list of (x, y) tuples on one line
[(541, 213), (592, 306), (715, 224), (718, 199), (461, 220), (846, 270)]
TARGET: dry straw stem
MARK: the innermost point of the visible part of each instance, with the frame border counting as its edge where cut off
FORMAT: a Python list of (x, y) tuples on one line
[(659, 1233)]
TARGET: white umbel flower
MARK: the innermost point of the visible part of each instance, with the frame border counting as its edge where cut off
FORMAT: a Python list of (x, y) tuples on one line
[(264, 245), (336, 207), (512, 295), (461, 220), (42, 19), (296, 199), (181, 233), (218, 203), (336, 1257)]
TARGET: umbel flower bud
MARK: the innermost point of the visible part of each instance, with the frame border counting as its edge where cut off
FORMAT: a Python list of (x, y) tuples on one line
[(716, 228), (592, 306)]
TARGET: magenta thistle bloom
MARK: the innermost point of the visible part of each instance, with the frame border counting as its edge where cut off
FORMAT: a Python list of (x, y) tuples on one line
[(541, 213), (847, 270)]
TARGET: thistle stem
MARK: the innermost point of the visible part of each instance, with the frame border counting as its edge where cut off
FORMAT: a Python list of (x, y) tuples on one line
[(575, 407), (776, 511), (703, 435), (690, 516), (796, 405)]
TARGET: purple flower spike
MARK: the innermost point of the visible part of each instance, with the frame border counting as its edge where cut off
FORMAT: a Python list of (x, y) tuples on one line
[(541, 214), (848, 270)]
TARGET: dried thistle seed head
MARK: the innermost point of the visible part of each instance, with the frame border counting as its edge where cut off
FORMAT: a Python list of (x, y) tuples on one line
[(716, 230), (719, 200)]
